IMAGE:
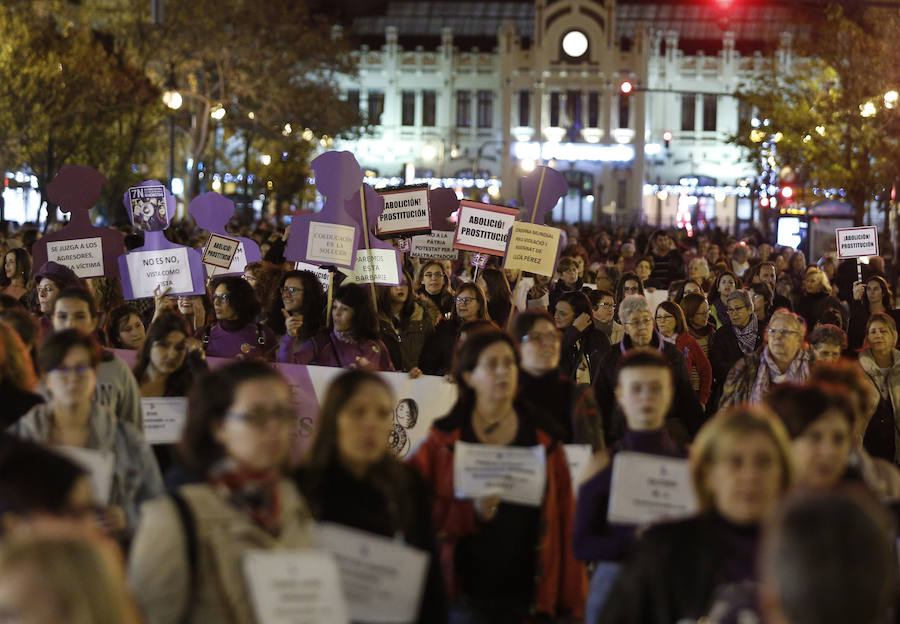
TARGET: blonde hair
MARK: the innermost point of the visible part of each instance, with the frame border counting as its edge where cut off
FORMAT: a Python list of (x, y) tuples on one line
[(790, 317), (16, 367), (73, 575), (823, 278), (722, 431)]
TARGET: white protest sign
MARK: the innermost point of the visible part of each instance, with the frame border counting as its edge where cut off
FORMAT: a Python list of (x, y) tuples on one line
[(294, 587), (382, 579), (164, 418), (483, 228), (330, 243), (435, 246), (98, 464), (532, 248), (647, 488), (857, 242), (405, 210), (220, 251), (375, 265), (238, 263), (165, 268), (577, 456), (82, 255), (516, 473), (323, 275)]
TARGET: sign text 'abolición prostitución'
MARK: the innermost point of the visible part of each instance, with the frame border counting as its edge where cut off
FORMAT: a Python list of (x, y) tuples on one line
[(483, 228), (857, 242), (405, 210)]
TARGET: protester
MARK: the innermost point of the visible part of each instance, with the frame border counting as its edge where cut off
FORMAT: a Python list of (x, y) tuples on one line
[(629, 284), (18, 382), (499, 296), (880, 360), (724, 285), (169, 359), (74, 308), (603, 306), (738, 338), (236, 332), (405, 322), (572, 407), (672, 326), (582, 344), (28, 330), (264, 278), (502, 561), (696, 314), (297, 311), (827, 343), (815, 298), (568, 280), (765, 273), (667, 263), (196, 309), (185, 563), (761, 297), (434, 283), (740, 466), (124, 328), (437, 354), (870, 298), (784, 358), (50, 279), (69, 361), (644, 392), (16, 274), (351, 477)]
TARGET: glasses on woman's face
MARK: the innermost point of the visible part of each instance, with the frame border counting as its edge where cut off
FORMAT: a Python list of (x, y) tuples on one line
[(465, 300), (432, 274), (80, 370), (544, 338), (259, 418), (783, 333), (222, 297), (291, 290), (664, 318), (735, 309), (630, 290), (640, 322)]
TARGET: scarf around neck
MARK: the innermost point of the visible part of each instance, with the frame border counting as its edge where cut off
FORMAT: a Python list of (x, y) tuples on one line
[(796, 372), (252, 492), (747, 336)]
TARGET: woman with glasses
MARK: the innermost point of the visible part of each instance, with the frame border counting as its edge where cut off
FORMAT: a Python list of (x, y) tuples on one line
[(583, 344), (672, 327), (739, 337), (186, 558), (762, 298), (434, 283), (236, 333), (71, 418), (437, 354), (352, 339), (686, 415), (603, 305), (572, 407), (629, 284), (784, 358), (503, 562), (880, 360), (352, 477), (696, 313), (296, 311)]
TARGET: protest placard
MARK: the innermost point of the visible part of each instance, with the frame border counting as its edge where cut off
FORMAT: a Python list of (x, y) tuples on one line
[(483, 228), (577, 456), (857, 242), (516, 473), (405, 210), (82, 255), (323, 275), (382, 578), (648, 488), (220, 250), (164, 418), (532, 248), (163, 268), (294, 587), (331, 243), (376, 266), (98, 464), (438, 246)]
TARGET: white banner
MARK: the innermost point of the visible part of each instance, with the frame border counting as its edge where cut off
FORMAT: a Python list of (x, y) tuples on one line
[(518, 474), (165, 268)]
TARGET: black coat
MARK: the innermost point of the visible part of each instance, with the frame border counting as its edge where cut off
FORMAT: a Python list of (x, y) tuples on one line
[(16, 403), (685, 417), (676, 568), (334, 495), (724, 352), (437, 354), (573, 408), (811, 307), (591, 343)]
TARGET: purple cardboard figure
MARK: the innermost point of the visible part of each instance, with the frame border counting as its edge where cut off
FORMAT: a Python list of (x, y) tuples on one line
[(444, 203), (89, 251), (159, 263), (212, 212), (541, 190), (338, 178), (374, 207)]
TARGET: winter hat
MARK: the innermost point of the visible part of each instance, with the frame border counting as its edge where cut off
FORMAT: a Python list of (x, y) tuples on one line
[(59, 274)]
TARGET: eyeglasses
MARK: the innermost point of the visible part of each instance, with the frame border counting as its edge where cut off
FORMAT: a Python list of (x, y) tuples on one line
[(735, 310), (465, 300), (645, 322), (46, 290), (222, 298), (260, 418), (784, 333), (604, 304), (548, 338), (80, 370), (664, 317), (291, 290), (431, 274)]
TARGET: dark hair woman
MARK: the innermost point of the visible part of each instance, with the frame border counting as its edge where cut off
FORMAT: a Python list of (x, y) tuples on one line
[(489, 545), (628, 284), (169, 358), (263, 277), (297, 311), (69, 360), (499, 296), (236, 333), (404, 323), (124, 328), (869, 298), (352, 478), (434, 283), (761, 296), (696, 315), (187, 554), (352, 339), (583, 344), (726, 283), (437, 354), (672, 326), (16, 274)]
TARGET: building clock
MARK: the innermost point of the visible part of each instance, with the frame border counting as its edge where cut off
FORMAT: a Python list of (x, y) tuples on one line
[(575, 43)]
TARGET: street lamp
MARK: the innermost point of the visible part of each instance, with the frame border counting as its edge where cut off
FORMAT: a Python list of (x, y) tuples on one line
[(172, 98)]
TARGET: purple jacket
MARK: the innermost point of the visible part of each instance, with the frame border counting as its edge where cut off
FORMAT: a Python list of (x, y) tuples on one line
[(595, 539), (241, 343), (326, 349)]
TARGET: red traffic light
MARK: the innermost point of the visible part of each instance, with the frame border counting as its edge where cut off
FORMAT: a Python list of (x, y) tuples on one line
[(787, 192), (667, 136), (626, 87)]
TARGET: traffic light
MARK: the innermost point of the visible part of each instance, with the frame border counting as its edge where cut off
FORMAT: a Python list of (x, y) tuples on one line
[(787, 193), (626, 87), (667, 138)]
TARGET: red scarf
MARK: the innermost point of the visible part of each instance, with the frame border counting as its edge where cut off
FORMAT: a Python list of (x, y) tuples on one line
[(255, 493)]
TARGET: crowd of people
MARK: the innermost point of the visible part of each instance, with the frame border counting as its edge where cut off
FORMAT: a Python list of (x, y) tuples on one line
[(776, 381)]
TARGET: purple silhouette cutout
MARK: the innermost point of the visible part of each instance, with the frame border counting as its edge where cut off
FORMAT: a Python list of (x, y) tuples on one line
[(553, 187), (76, 189), (212, 212), (444, 203)]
